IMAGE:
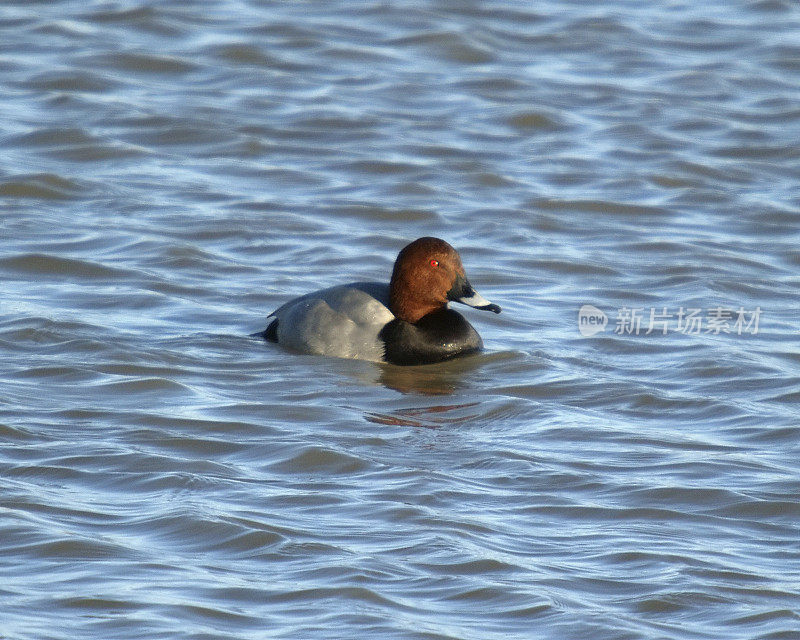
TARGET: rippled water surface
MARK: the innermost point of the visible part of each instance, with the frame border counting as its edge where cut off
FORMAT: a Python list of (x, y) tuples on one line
[(171, 172)]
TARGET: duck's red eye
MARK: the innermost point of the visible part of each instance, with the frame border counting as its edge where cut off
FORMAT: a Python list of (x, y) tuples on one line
[(434, 263)]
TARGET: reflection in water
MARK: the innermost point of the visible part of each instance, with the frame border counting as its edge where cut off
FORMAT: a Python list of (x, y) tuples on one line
[(412, 416), (442, 378), (433, 379)]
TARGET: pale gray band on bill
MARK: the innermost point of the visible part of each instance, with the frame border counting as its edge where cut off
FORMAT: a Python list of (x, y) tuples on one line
[(479, 302)]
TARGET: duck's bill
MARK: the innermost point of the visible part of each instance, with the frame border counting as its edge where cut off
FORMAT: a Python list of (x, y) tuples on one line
[(479, 302), (463, 292)]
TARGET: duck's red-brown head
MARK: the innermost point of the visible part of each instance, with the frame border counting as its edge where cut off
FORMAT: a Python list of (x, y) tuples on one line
[(427, 274)]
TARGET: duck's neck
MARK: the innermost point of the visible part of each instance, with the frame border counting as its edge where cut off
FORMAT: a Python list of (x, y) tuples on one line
[(407, 305)]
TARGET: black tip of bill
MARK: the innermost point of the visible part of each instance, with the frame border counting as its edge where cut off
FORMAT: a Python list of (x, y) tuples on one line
[(490, 307)]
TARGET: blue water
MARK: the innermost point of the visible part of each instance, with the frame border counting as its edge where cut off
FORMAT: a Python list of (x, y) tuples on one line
[(170, 173)]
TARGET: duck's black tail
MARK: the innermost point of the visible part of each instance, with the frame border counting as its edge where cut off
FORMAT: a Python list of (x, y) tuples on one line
[(270, 333)]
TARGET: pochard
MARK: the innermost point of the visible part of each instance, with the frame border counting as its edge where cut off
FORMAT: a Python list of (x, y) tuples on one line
[(405, 322)]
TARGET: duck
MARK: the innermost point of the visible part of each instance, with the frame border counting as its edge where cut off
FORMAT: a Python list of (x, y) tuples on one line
[(404, 322)]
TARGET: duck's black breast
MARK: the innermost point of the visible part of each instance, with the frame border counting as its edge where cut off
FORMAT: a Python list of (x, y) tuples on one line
[(438, 336)]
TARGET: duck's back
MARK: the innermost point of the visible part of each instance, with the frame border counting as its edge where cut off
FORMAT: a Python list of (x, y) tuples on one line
[(343, 321)]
